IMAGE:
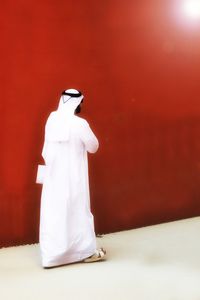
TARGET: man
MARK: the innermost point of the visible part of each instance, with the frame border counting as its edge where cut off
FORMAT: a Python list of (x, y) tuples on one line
[(66, 222)]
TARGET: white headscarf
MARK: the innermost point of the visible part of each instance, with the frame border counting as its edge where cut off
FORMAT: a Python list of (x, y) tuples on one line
[(58, 124), (68, 104)]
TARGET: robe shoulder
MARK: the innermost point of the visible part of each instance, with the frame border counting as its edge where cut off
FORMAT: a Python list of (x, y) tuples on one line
[(54, 114), (54, 117), (81, 121), (51, 116)]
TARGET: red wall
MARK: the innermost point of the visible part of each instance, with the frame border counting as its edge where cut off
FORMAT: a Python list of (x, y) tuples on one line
[(138, 64)]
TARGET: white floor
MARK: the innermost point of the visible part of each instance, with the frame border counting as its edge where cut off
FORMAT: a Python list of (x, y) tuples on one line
[(154, 263)]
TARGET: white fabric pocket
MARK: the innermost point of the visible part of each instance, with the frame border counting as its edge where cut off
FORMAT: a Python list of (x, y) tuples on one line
[(41, 174)]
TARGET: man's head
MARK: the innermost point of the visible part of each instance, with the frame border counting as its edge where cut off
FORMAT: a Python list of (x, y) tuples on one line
[(71, 100)]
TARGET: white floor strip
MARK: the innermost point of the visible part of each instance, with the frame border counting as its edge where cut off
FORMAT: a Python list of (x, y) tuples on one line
[(159, 262)]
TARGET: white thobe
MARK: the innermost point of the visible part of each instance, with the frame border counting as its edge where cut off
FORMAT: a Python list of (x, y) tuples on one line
[(66, 222)]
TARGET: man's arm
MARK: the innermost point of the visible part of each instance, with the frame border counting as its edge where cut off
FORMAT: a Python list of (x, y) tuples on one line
[(88, 138)]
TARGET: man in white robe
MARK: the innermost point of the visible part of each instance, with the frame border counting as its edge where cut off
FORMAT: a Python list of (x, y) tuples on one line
[(66, 222)]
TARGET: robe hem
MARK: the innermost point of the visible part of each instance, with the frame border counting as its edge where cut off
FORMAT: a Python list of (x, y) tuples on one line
[(69, 259)]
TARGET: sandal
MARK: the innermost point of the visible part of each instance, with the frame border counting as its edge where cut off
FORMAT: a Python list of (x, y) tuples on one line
[(98, 255)]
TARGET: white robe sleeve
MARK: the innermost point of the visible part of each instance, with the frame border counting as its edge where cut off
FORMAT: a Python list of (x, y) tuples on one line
[(45, 151), (88, 138), (49, 148)]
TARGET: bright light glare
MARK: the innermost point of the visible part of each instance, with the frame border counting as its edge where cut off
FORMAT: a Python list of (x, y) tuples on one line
[(192, 8)]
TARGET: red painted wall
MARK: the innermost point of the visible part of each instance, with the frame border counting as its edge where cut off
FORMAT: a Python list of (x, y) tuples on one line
[(138, 64)]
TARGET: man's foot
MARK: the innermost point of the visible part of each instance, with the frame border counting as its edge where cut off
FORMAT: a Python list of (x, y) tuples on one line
[(98, 255)]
